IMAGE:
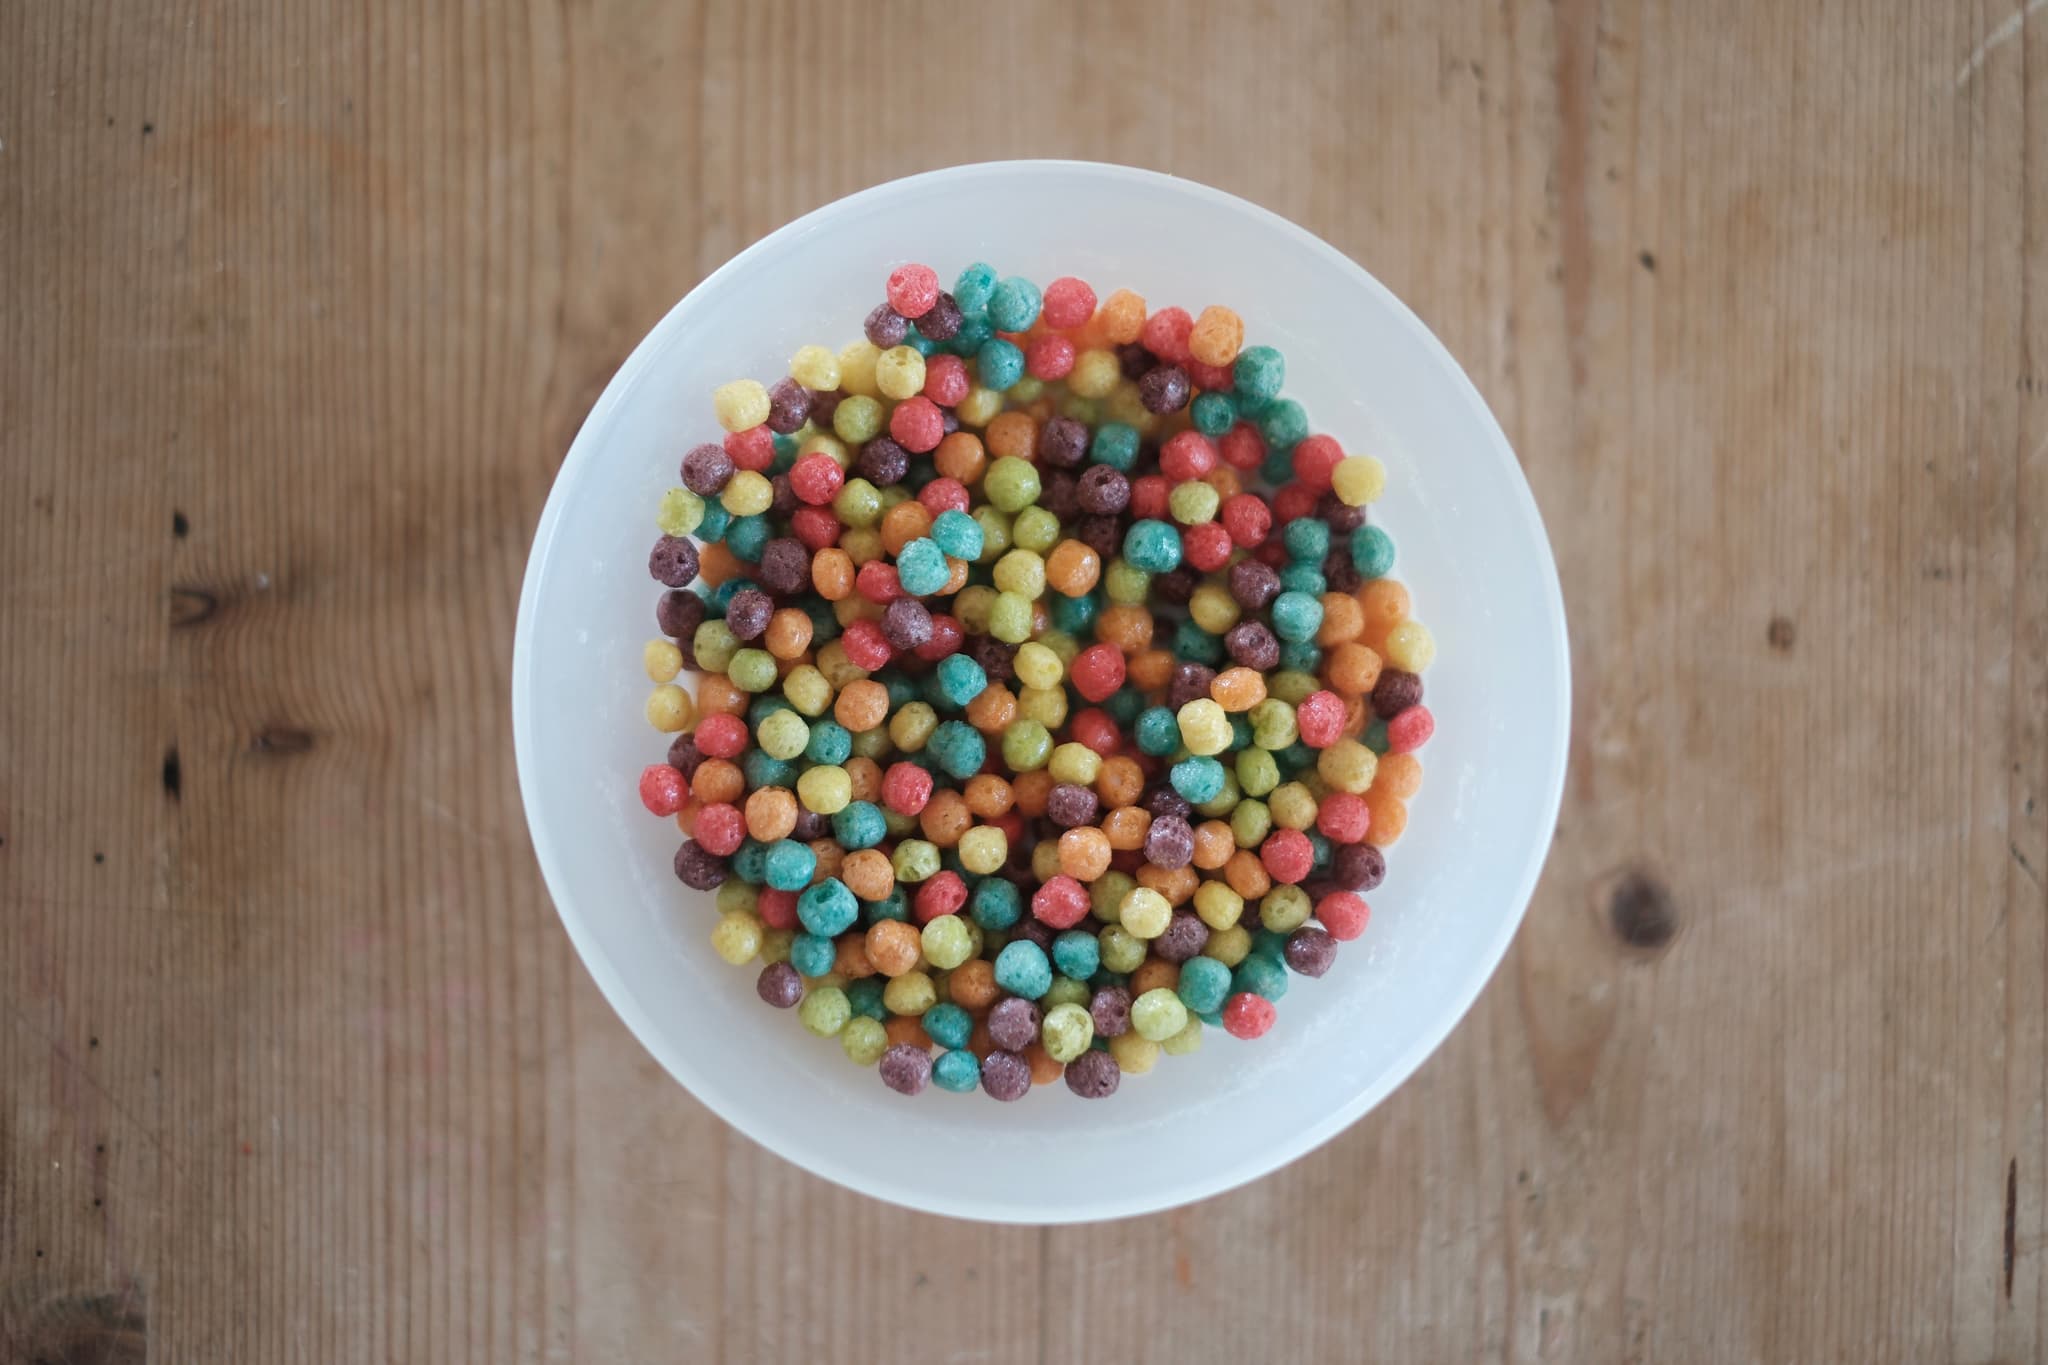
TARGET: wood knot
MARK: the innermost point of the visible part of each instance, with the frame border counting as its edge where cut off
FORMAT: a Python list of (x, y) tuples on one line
[(1781, 633), (190, 606), (1641, 912), (282, 739), (105, 1329)]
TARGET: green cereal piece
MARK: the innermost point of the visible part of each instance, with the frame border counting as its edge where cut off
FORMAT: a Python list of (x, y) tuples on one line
[(910, 729), (680, 513), (1011, 484), (858, 504), (1034, 529), (858, 419), (1067, 1030), (872, 744), (783, 735), (1158, 1014), (807, 690), (1009, 618), (1225, 800), (1125, 584), (1107, 894), (1122, 950), (714, 645), (825, 1011), (1290, 686), (1250, 823), (751, 670), (1284, 909), (995, 534), (1189, 1039), (864, 1039), (1257, 773), (915, 860), (1065, 990)]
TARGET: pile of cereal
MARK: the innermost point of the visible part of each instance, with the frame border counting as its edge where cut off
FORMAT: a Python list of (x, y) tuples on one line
[(1000, 639)]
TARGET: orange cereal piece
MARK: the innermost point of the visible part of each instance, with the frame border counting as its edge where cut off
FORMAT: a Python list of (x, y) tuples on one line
[(1126, 827), (717, 696), (1217, 337), (903, 523), (1044, 1070), (831, 858), (1351, 670), (1225, 481), (1176, 884), (1343, 619), (847, 610), (945, 818), (1128, 627), (686, 818), (993, 709), (1399, 776), (1214, 844), (1154, 974), (960, 456), (866, 775), (1121, 317), (863, 704), (956, 576), (1084, 853), (1045, 861), (850, 958), (867, 873), (972, 984), (1013, 433), (979, 1041), (989, 796), (905, 1028), (1385, 602), (1238, 689), (1151, 670), (771, 813), (1246, 875), (1121, 781), (788, 634), (716, 563), (893, 946), (1072, 569), (1389, 816), (1031, 790), (718, 780), (832, 573)]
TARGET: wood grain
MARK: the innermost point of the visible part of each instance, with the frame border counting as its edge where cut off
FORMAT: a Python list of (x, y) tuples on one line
[(302, 305)]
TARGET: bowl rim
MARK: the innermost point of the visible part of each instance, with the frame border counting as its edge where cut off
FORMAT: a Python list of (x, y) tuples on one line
[(1482, 964)]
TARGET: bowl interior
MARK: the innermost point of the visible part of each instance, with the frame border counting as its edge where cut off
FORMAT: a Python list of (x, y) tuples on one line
[(1471, 548)]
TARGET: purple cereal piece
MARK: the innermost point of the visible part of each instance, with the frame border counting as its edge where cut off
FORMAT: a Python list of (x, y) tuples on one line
[(746, 616), (684, 755), (1110, 1008), (678, 614), (789, 406), (1185, 937), (779, 985), (882, 462), (1062, 443), (906, 1068), (698, 868), (782, 496), (1038, 931), (1164, 389), (1394, 693), (1253, 583), (824, 402), (1176, 586), (942, 320), (1005, 1075), (1170, 843), (1163, 801), (706, 470), (673, 561), (1104, 533), (1343, 520), (785, 566), (1070, 806), (886, 327), (949, 421), (1359, 867), (1310, 950), (1189, 682), (1061, 493), (1093, 1075), (1013, 1023), (997, 660), (1134, 360), (809, 825), (1252, 644), (907, 623), (1103, 491), (1340, 572)]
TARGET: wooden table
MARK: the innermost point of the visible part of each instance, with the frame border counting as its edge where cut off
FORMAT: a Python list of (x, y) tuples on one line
[(302, 306)]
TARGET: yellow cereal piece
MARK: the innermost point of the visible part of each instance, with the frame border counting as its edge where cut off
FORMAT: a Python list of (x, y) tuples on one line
[(1410, 647), (1358, 480), (814, 367), (857, 368), (899, 372), (1204, 726), (741, 404), (669, 709), (1145, 913), (747, 494), (662, 660)]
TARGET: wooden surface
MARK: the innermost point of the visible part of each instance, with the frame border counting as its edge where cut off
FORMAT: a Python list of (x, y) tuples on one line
[(302, 305)]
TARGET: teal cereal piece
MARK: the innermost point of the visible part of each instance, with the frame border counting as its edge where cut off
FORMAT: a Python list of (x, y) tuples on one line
[(864, 997), (716, 520), (1153, 546), (1198, 780), (1190, 641), (762, 769), (958, 748), (1284, 425), (948, 1025), (961, 679), (972, 290), (828, 909), (895, 905), (921, 567), (1296, 616), (1300, 654), (1372, 550), (1214, 413), (1375, 736), (1013, 304), (790, 865), (1301, 577), (1259, 374), (958, 1071), (1077, 954), (1204, 985), (811, 955), (956, 533), (829, 742), (748, 536), (995, 904), (1116, 445), (1261, 974), (1022, 969), (1157, 732), (998, 364), (859, 824), (1307, 540)]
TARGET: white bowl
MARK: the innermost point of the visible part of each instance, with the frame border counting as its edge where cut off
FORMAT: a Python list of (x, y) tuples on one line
[(1471, 548)]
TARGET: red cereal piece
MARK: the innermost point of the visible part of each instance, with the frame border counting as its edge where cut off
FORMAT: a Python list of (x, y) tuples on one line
[(1410, 730), (752, 449), (1320, 717), (1148, 497), (1343, 914), (1315, 459), (1295, 501), (721, 828), (866, 648), (942, 894), (1242, 447), (1287, 855), (913, 289), (946, 381), (1187, 455), (1061, 903), (776, 908), (817, 527), (721, 736), (1097, 672), (1067, 303), (1274, 552), (1247, 518), (1344, 817), (1247, 1016), (917, 424), (943, 495), (947, 637), (1206, 547), (662, 789), (1011, 823), (1093, 727), (877, 581), (1207, 376), (1050, 357), (905, 788), (1166, 335), (816, 479)]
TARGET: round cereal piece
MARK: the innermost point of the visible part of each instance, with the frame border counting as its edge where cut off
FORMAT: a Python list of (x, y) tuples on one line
[(906, 1068), (1093, 1075), (1014, 1023), (1067, 1031), (780, 985), (1005, 1075)]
